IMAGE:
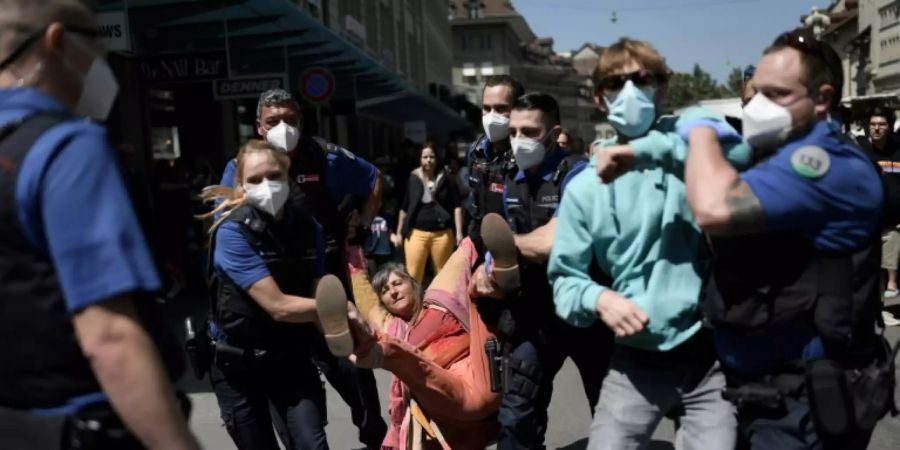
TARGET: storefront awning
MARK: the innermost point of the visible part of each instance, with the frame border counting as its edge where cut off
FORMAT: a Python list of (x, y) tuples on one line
[(257, 37)]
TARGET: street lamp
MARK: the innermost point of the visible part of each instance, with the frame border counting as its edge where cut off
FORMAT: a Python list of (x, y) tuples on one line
[(818, 21)]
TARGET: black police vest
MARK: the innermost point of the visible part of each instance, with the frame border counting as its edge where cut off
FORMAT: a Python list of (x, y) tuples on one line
[(761, 281), (486, 179), (42, 362), (308, 174), (287, 247), (530, 204)]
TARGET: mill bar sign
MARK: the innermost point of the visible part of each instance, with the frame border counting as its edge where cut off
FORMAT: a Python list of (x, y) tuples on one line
[(192, 67)]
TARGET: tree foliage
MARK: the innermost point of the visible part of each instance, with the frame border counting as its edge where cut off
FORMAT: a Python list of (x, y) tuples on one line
[(687, 89), (735, 82)]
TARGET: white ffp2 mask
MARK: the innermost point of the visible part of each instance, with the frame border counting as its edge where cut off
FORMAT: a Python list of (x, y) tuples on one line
[(99, 88), (283, 137), (268, 196), (766, 123), (496, 126), (527, 152)]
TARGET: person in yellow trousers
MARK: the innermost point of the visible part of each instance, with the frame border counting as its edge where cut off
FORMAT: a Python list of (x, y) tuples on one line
[(431, 220)]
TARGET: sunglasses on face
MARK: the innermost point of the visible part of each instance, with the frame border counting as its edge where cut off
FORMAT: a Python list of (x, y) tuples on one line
[(641, 78), (37, 34)]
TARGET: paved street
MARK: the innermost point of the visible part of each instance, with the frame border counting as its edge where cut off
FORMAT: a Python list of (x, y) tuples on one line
[(569, 415)]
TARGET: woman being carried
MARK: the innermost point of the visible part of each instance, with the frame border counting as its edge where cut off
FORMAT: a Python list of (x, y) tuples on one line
[(434, 344)]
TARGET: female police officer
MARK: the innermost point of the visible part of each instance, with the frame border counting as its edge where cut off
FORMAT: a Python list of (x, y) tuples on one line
[(266, 259)]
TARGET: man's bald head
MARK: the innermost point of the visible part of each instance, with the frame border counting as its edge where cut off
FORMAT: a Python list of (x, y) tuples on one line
[(22, 18)]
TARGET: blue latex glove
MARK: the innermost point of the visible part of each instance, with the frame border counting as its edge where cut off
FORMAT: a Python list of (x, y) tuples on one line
[(722, 129)]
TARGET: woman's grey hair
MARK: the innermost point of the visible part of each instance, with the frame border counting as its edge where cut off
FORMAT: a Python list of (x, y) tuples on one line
[(274, 97), (380, 280)]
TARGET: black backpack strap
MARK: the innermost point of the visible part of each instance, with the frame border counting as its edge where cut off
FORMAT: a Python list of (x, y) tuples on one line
[(17, 138), (565, 166)]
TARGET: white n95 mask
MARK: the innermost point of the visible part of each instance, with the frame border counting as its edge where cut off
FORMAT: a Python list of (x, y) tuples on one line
[(99, 87), (268, 196), (496, 126), (283, 137), (528, 152), (766, 123)]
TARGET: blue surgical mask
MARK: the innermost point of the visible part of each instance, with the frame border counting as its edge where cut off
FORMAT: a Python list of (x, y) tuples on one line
[(631, 111)]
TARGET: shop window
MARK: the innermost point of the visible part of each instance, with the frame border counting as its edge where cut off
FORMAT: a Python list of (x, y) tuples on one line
[(485, 42)]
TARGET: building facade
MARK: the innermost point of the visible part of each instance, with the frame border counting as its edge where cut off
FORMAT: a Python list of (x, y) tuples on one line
[(491, 38), (866, 35), (368, 74)]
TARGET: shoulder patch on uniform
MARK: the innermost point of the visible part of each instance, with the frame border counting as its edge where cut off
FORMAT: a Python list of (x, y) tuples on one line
[(810, 161), (334, 148)]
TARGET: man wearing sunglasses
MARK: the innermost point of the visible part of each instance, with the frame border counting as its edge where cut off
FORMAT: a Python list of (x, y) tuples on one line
[(81, 363), (793, 294), (640, 229)]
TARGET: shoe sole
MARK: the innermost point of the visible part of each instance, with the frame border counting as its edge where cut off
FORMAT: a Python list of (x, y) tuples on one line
[(498, 239), (331, 307)]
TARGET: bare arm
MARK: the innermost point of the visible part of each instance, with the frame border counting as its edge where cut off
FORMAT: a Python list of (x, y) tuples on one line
[(370, 208), (458, 222), (282, 307), (131, 374), (397, 237), (722, 203), (536, 246)]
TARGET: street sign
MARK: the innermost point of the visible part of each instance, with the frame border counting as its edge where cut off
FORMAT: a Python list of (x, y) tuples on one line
[(113, 29), (316, 85), (249, 87)]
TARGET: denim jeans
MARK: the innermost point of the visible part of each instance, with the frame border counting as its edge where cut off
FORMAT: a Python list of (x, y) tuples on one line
[(643, 386), (283, 390)]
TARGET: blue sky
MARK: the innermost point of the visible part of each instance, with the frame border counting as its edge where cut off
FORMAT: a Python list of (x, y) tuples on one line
[(717, 34)]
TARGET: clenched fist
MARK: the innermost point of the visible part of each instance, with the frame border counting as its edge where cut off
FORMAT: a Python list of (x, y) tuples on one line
[(621, 315), (613, 162)]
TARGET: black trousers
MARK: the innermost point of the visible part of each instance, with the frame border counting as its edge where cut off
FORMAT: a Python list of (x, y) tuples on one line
[(523, 409), (284, 390)]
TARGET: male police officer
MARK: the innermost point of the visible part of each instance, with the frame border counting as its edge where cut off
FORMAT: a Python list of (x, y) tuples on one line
[(78, 368), (537, 341), (786, 236), (326, 176), (489, 159)]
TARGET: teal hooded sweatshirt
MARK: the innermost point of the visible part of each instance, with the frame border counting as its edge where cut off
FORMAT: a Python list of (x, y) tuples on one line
[(640, 230)]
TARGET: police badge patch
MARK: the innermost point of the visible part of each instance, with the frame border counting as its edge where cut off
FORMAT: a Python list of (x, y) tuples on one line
[(810, 161)]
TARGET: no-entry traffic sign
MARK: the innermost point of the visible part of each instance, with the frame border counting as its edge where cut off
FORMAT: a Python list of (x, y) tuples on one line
[(316, 85)]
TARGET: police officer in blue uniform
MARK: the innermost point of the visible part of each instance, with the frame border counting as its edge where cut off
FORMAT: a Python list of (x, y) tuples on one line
[(793, 239), (536, 342), (78, 334), (329, 181), (489, 159), (267, 255)]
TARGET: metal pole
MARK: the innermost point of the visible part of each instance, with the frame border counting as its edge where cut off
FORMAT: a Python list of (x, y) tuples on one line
[(227, 50)]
